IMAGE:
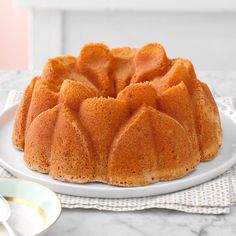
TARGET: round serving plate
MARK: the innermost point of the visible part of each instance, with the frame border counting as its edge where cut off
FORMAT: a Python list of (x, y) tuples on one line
[(12, 160)]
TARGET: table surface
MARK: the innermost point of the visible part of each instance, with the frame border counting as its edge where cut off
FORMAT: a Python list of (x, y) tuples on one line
[(146, 222)]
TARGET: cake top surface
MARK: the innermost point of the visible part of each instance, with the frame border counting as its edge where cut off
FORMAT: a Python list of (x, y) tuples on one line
[(102, 72)]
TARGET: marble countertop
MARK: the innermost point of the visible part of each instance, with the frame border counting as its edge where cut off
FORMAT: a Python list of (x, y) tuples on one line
[(147, 222)]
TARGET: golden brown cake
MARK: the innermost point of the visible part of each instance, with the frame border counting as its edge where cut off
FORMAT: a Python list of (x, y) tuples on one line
[(122, 116)]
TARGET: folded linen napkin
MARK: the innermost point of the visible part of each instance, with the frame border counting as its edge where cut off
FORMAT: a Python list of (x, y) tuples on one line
[(213, 197)]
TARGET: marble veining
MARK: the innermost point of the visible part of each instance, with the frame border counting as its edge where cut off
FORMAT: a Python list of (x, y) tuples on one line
[(144, 223), (150, 222)]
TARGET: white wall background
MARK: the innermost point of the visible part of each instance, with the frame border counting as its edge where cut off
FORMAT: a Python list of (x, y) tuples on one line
[(203, 31), (208, 39)]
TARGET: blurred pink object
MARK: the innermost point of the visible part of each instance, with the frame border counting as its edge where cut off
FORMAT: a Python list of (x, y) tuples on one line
[(13, 37)]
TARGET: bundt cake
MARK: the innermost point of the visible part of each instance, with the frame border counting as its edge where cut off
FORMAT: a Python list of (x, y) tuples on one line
[(127, 117)]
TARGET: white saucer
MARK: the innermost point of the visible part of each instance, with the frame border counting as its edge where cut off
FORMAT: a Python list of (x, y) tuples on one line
[(12, 160), (34, 208)]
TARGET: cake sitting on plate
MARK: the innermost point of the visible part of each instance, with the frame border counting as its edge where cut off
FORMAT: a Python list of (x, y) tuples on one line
[(122, 116)]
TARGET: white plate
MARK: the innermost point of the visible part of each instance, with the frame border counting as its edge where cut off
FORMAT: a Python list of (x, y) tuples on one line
[(12, 160)]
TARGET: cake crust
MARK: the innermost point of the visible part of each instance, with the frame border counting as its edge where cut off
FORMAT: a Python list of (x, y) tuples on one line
[(123, 116)]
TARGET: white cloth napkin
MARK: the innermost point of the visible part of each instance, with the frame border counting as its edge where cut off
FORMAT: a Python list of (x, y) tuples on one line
[(213, 197)]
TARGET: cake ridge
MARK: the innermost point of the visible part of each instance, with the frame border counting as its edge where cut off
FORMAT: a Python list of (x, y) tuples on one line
[(18, 136), (135, 119), (178, 95), (98, 64), (68, 160)]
